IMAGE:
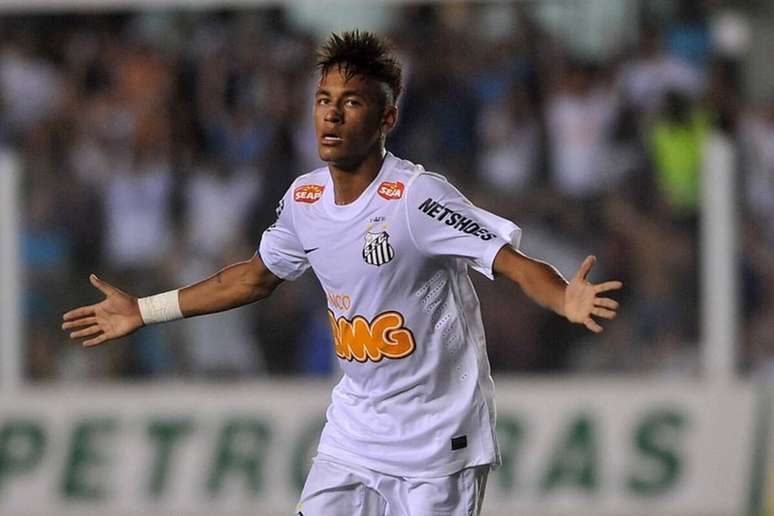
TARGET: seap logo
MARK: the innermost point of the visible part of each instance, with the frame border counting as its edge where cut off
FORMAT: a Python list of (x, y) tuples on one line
[(384, 337), (308, 193), (391, 191)]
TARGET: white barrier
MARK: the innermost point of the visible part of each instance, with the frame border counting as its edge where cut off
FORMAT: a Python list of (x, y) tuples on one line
[(593, 448), (10, 276)]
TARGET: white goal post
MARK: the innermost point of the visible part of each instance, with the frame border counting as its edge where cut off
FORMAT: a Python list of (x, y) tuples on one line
[(10, 274)]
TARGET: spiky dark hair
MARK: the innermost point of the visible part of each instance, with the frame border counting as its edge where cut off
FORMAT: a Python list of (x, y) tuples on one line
[(362, 54)]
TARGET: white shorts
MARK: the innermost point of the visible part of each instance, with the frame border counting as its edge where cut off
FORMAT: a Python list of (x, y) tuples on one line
[(334, 488)]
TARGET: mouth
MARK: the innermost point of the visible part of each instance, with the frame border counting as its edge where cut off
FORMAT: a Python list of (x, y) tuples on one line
[(331, 139)]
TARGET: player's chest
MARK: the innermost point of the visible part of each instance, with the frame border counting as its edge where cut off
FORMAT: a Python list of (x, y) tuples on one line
[(372, 245)]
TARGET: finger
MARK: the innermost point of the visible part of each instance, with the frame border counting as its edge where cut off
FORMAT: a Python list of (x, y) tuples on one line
[(608, 285), (592, 325), (606, 302), (95, 341), (105, 288), (84, 321), (603, 313), (585, 267), (84, 311), (88, 332)]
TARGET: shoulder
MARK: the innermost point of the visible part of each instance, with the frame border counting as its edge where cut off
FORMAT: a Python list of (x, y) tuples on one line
[(316, 176), (414, 176), (308, 187), (432, 185)]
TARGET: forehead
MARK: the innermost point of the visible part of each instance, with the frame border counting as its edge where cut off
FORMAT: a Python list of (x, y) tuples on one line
[(336, 80)]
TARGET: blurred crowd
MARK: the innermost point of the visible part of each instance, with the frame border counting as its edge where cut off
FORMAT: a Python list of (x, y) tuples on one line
[(154, 148)]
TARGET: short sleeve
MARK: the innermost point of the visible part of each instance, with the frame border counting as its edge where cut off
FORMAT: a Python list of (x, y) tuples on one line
[(443, 223), (280, 248)]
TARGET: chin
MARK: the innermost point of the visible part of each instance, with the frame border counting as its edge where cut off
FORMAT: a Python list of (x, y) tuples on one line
[(327, 155), (333, 157)]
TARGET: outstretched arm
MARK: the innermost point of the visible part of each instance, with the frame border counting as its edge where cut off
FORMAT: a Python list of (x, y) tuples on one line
[(119, 313), (236, 285), (577, 300)]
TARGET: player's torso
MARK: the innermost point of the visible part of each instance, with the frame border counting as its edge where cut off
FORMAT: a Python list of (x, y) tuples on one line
[(366, 263), (376, 282), (399, 327)]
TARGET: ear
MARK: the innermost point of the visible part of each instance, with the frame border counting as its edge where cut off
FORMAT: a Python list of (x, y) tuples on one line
[(389, 118)]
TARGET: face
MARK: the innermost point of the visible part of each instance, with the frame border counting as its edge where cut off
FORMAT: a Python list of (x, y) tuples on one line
[(350, 119)]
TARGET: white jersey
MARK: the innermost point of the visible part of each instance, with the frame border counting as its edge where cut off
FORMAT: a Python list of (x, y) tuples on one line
[(417, 397)]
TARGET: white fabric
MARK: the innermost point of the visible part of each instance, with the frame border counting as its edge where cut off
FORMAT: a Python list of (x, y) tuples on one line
[(578, 127), (217, 207), (645, 81), (31, 88), (138, 219), (336, 488), (162, 307), (510, 142), (408, 328)]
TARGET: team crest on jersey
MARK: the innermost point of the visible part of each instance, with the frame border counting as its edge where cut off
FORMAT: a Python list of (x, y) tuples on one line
[(308, 193), (377, 249)]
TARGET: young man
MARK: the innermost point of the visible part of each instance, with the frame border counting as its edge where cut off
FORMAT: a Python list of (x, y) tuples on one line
[(411, 426)]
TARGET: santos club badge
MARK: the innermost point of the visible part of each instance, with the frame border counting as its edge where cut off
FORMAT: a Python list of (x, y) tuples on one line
[(377, 249)]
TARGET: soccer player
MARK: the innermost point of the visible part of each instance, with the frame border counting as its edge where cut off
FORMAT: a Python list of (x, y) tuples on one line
[(411, 426)]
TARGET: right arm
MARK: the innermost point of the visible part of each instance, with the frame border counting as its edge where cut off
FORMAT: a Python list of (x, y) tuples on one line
[(118, 314), (236, 285)]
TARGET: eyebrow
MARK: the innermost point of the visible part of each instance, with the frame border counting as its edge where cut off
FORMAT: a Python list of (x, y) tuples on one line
[(345, 93)]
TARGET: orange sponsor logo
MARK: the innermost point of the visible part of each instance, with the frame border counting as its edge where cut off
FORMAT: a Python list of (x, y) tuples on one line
[(391, 191), (384, 337), (308, 193)]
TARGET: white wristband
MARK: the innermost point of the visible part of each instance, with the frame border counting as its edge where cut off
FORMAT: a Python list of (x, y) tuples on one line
[(160, 308)]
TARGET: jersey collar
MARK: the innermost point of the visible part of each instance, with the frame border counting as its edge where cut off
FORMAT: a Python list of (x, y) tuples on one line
[(348, 211)]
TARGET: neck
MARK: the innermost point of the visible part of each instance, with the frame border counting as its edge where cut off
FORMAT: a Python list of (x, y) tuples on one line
[(350, 182)]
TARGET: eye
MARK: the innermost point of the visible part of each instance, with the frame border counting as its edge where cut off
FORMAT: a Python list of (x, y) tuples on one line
[(323, 101), (352, 103)]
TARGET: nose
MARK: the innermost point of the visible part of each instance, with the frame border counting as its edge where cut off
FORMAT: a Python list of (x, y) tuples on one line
[(333, 115)]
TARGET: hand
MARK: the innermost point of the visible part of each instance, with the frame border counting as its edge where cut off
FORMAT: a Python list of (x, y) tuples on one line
[(581, 299), (117, 316)]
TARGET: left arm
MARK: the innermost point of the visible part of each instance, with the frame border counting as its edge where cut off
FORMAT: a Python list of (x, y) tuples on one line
[(576, 300)]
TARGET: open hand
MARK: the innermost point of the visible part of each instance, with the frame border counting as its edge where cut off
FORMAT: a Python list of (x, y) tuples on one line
[(582, 301), (116, 316)]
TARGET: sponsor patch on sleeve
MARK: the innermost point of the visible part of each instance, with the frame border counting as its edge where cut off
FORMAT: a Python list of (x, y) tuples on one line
[(454, 219), (391, 190), (308, 193)]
